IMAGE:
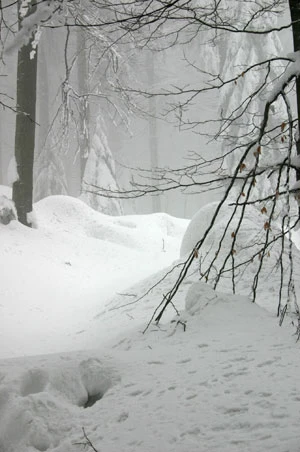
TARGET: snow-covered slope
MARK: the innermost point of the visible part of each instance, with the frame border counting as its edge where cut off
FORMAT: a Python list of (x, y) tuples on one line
[(228, 381), (221, 376), (56, 278)]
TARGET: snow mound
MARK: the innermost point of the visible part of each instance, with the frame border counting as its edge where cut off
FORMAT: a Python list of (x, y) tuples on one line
[(218, 254), (74, 262), (72, 215), (199, 296), (202, 220), (6, 191), (7, 210)]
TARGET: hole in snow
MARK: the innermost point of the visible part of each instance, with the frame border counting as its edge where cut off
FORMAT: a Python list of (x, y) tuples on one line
[(97, 379), (92, 399), (33, 381)]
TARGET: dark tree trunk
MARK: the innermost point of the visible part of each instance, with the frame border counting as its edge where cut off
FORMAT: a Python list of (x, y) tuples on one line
[(1, 158), (43, 104), (25, 130), (295, 17)]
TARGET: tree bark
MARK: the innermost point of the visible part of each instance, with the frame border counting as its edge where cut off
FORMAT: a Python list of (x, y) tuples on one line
[(43, 103), (25, 129), (1, 158), (295, 17)]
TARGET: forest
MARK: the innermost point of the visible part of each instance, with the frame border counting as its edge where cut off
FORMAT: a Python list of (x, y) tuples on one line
[(95, 112), (149, 219)]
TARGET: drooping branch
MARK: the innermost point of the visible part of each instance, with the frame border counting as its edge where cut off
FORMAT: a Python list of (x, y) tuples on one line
[(249, 179)]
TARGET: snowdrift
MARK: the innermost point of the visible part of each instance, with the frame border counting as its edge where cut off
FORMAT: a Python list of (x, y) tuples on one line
[(56, 278)]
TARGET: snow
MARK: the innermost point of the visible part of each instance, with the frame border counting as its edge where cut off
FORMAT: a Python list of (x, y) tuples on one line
[(7, 210), (200, 223), (296, 186), (292, 71), (68, 267), (30, 23), (12, 172), (295, 161), (221, 376)]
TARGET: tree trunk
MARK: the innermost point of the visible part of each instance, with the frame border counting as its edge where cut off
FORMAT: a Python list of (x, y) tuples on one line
[(43, 103), (153, 142), (295, 17), (1, 158), (83, 88), (25, 129)]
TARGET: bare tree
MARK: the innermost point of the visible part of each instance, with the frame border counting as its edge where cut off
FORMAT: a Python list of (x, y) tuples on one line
[(74, 112), (257, 131)]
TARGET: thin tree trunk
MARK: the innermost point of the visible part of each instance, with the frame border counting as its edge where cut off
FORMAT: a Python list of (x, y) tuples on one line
[(153, 144), (83, 87), (25, 130)]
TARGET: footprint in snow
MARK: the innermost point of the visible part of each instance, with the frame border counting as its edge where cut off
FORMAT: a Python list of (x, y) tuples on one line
[(33, 381), (184, 361), (265, 394), (235, 410), (192, 396), (269, 362), (123, 416), (202, 345), (238, 359), (136, 393), (264, 404), (231, 375), (228, 366)]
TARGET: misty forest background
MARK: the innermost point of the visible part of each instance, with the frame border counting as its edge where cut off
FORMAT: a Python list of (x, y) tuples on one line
[(93, 127)]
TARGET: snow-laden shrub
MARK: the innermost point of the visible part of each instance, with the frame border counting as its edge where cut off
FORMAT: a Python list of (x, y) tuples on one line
[(7, 210)]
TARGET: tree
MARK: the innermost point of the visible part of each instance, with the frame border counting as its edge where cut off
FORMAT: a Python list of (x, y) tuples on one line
[(263, 118), (153, 139), (84, 112), (295, 17), (25, 124), (100, 168), (76, 95), (258, 128), (49, 174)]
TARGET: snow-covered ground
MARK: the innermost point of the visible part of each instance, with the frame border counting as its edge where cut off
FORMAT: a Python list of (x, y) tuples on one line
[(222, 376), (56, 279)]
